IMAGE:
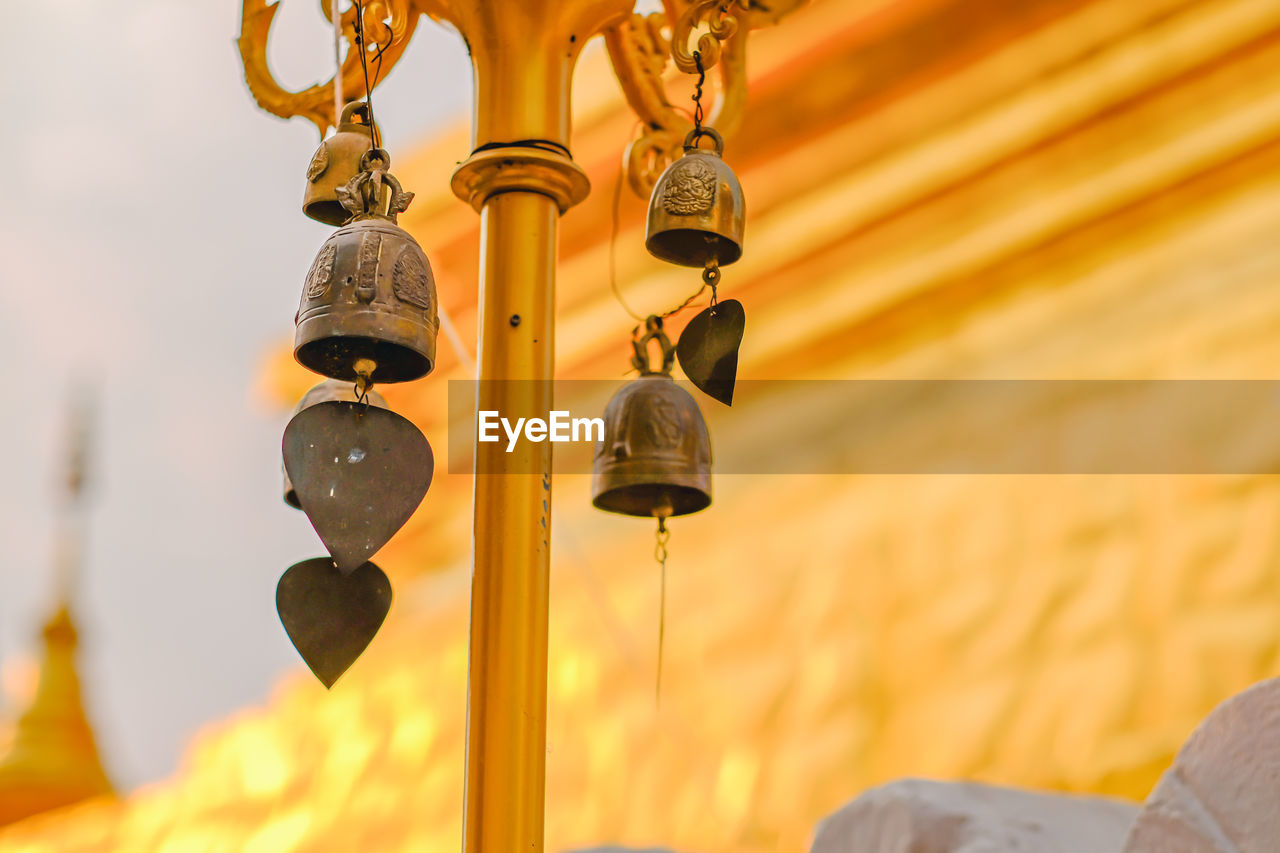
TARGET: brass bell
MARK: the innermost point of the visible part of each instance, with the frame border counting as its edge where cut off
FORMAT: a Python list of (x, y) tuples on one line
[(655, 459), (327, 391), (369, 301), (697, 212), (336, 162)]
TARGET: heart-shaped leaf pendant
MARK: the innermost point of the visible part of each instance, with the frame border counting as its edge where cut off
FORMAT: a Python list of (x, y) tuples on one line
[(708, 349), (331, 616), (359, 472)]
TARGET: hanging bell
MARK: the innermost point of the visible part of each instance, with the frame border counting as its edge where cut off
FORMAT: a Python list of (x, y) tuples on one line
[(697, 212), (369, 302), (336, 162), (655, 459), (327, 391)]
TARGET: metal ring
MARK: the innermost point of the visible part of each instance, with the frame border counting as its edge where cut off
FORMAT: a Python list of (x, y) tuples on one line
[(366, 162), (350, 109), (691, 141)]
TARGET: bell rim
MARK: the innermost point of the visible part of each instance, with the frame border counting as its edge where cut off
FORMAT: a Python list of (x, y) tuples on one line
[(326, 211), (335, 355), (695, 499), (657, 246)]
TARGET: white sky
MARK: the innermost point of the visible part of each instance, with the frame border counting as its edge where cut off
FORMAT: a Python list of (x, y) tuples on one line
[(152, 240)]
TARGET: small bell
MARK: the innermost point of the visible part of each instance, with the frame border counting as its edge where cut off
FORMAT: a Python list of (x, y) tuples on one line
[(697, 211), (655, 459), (327, 391), (336, 162), (369, 302)]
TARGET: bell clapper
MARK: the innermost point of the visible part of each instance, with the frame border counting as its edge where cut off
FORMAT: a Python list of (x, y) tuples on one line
[(711, 278), (364, 368)]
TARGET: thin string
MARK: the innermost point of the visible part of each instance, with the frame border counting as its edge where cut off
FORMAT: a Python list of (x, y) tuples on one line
[(377, 58), (687, 302), (660, 554), (375, 136), (613, 244), (455, 341)]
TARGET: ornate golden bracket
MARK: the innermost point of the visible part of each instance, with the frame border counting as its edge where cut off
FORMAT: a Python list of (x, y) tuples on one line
[(385, 22), (639, 47)]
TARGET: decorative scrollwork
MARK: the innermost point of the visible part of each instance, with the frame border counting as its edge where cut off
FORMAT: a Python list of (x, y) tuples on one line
[(641, 52), (388, 24), (641, 49), (717, 15)]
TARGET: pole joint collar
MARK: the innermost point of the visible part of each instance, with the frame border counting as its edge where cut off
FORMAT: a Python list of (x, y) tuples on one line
[(520, 168)]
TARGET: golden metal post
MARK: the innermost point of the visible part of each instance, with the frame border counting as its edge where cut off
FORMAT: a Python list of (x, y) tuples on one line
[(507, 688), (523, 56)]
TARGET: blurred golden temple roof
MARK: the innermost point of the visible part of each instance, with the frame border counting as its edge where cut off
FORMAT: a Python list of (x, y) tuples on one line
[(1043, 189), (52, 760)]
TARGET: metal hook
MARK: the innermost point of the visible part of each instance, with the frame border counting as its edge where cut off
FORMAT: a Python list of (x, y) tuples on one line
[(364, 368), (640, 344)]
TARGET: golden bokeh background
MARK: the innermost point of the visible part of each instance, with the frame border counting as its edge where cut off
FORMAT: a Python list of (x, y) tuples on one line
[(937, 189)]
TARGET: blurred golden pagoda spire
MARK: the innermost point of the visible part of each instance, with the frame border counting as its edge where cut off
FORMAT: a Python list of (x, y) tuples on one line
[(53, 759)]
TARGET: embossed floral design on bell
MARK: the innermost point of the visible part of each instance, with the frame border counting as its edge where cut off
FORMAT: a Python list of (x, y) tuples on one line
[(369, 301), (655, 459), (336, 162), (697, 212)]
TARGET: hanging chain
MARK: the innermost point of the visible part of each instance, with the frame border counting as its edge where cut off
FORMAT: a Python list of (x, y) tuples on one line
[(697, 97), (660, 554)]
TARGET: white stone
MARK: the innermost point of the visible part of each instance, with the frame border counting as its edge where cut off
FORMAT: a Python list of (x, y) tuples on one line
[(1222, 794), (921, 816)]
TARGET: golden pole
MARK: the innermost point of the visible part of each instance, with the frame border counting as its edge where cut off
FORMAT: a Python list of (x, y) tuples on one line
[(523, 55), (507, 688)]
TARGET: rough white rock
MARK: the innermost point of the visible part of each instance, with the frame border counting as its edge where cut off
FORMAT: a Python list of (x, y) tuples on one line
[(921, 816), (1222, 794)]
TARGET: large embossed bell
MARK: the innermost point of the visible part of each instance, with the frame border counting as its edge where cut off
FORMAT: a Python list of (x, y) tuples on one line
[(328, 391), (336, 162), (655, 459), (697, 212), (369, 302)]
